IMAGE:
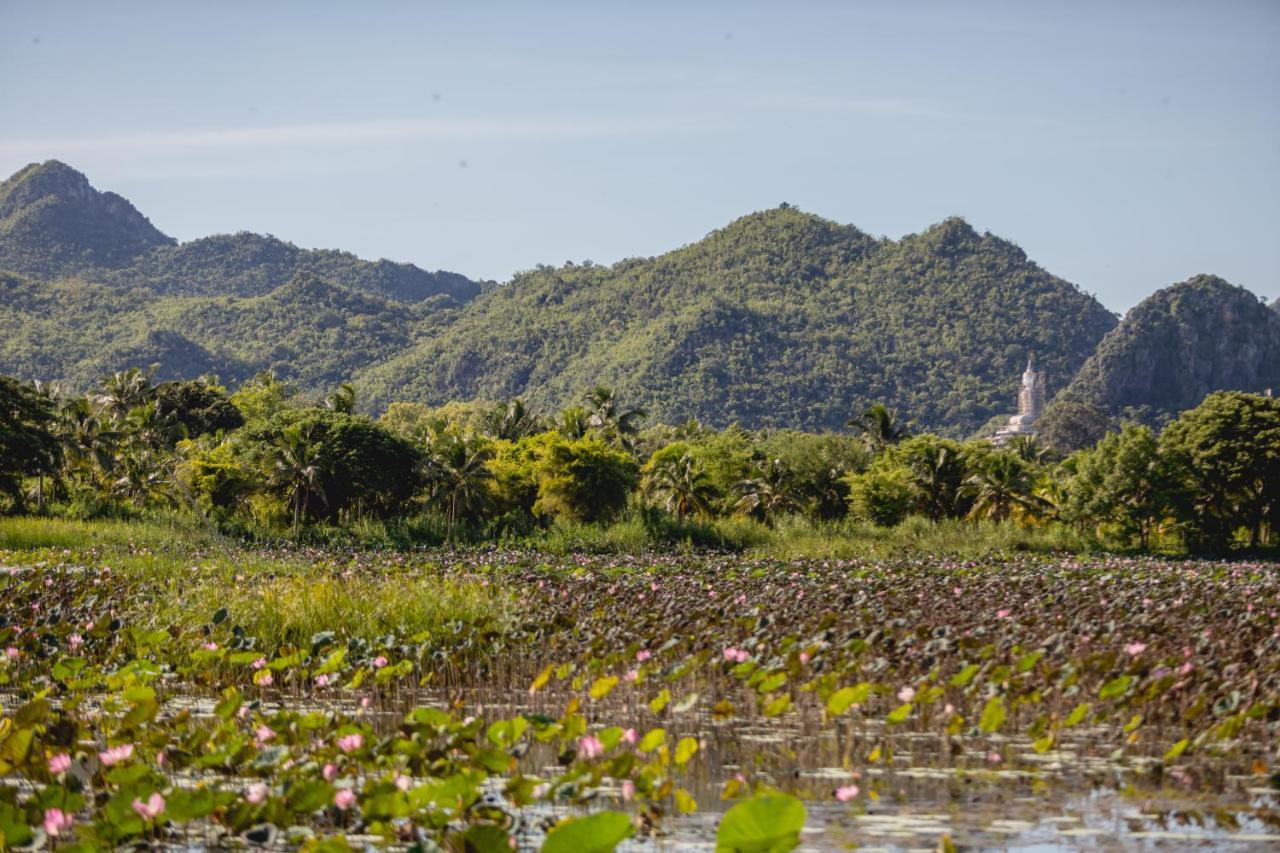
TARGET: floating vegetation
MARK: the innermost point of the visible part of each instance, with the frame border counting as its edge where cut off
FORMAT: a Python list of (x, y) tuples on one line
[(479, 700)]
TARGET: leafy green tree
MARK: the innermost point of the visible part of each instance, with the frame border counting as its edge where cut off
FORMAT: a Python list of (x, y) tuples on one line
[(262, 397), (1068, 425), (327, 464), (1125, 481), (585, 479), (201, 406), (680, 485), (878, 427), (1226, 452), (28, 444), (882, 495), (771, 492)]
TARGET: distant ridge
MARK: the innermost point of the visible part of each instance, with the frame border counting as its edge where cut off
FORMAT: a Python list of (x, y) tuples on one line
[(781, 318)]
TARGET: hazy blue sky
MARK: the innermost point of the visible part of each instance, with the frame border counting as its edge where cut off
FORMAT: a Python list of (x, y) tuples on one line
[(1123, 145)]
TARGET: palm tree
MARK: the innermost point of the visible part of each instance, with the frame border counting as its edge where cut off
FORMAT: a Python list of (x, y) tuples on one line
[(606, 416), (682, 486), (1003, 483), (1029, 448), (769, 494), (938, 477), (878, 427), (513, 421), (342, 399), (295, 459), (89, 444), (574, 422), (125, 390), (458, 474)]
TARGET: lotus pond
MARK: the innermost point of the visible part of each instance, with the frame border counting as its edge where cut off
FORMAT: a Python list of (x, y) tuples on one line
[(198, 697)]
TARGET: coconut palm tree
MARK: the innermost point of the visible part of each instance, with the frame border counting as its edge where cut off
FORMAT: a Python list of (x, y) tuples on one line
[(574, 422), (513, 421), (342, 399), (1003, 483), (125, 390), (606, 416), (682, 487), (938, 477), (878, 427), (458, 475), (769, 494), (295, 464)]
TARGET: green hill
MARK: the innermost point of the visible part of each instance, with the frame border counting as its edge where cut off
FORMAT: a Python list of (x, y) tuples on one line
[(780, 319), (311, 332), (1178, 345), (53, 223)]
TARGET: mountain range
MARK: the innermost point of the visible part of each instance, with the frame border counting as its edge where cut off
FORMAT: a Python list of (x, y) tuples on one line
[(781, 318)]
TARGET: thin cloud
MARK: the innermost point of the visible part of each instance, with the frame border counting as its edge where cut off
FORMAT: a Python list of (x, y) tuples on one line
[(374, 132)]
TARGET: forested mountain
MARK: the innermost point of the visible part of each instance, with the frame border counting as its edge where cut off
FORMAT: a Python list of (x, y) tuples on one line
[(1178, 345), (780, 319), (53, 223), (309, 331)]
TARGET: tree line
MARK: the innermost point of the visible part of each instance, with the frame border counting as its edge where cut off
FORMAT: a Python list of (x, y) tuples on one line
[(263, 461)]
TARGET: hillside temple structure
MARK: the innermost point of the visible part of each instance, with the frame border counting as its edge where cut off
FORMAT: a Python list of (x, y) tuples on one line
[(1031, 397)]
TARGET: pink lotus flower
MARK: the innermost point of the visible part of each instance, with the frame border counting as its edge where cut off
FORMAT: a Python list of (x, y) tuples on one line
[(629, 737), (256, 793), (322, 681), (263, 734), (56, 821), (59, 763), (632, 675), (736, 655), (151, 809), (162, 758), (259, 663), (1135, 649), (330, 772), (76, 641), (628, 790), (344, 799), (643, 655), (1003, 614), (365, 701), (379, 662), (350, 743), (994, 758), (210, 647), (267, 679), (590, 747), (906, 694), (116, 754), (846, 793), (403, 783), (12, 653)]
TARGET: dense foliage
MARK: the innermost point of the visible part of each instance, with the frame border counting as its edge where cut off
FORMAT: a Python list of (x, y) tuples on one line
[(1178, 345), (264, 462)]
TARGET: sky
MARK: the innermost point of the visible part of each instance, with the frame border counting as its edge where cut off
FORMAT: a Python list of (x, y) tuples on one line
[(1124, 146)]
